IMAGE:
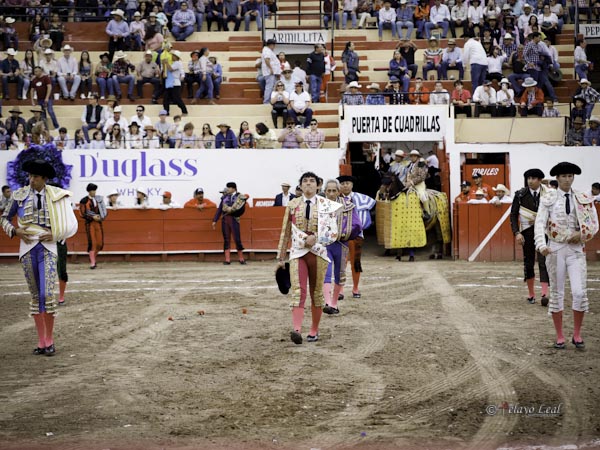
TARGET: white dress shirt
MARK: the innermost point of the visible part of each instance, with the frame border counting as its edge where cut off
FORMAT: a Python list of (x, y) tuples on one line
[(474, 53)]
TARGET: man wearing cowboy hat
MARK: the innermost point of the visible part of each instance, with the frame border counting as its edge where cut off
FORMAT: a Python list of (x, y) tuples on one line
[(575, 134), (11, 37), (508, 47), (174, 73), (117, 30), (147, 71), (538, 59), (588, 94), (532, 99), (37, 117), (113, 201), (120, 74), (14, 120), (68, 72), (225, 138), (352, 96), (591, 136), (116, 118), (522, 219), (374, 97), (479, 198), (399, 165), (502, 195), (151, 139), (11, 73), (451, 60), (566, 220), (40, 46), (49, 65), (44, 217), (283, 198)]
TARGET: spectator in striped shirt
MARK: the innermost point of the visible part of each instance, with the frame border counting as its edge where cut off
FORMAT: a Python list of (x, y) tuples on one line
[(549, 109), (352, 96), (184, 21)]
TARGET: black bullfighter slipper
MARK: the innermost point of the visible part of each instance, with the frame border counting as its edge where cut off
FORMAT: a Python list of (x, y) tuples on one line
[(559, 345), (580, 345), (296, 337)]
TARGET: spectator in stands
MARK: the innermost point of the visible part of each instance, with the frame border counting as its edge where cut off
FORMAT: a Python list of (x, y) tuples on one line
[(108, 110), (147, 71), (352, 96), (137, 31), (56, 30), (408, 49), (349, 10), (421, 15), (465, 193), (134, 138), (549, 109), (85, 73), (575, 133), (363, 11), (63, 141), (532, 99), (519, 72), (41, 86), (479, 199), (502, 196), (328, 8), (374, 97), (439, 18), (584, 8), (595, 192), (6, 193), (589, 95), (92, 116), (582, 64), (205, 80), (579, 109), (68, 73), (393, 92), (162, 128), (175, 131), (479, 184), (153, 37), (283, 198), (183, 22), (386, 19), (245, 139), (251, 10), (523, 20), (505, 99), (170, 7), (115, 138), (151, 140), (103, 74), (439, 95), (206, 138), (290, 137), (591, 136), (288, 80), (451, 60), (263, 137), (168, 202), (140, 117), (97, 142), (198, 7), (315, 68), (538, 58), (172, 92), (187, 139), (487, 43), (300, 105), (491, 27), (9, 34), (11, 73), (459, 18), (474, 18), (404, 19), (120, 74), (461, 99), (350, 59), (398, 69), (485, 100), (41, 45), (217, 76), (508, 47), (215, 13), (432, 58), (280, 100), (314, 138), (495, 62), (36, 118), (116, 119), (549, 23), (554, 64), (14, 120), (26, 67), (141, 200), (38, 27), (475, 56), (298, 74), (232, 13), (225, 137), (117, 31), (418, 94), (19, 140), (199, 201), (49, 65), (270, 69)]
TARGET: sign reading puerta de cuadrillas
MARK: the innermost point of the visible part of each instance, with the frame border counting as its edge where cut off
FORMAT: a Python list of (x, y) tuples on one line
[(371, 123)]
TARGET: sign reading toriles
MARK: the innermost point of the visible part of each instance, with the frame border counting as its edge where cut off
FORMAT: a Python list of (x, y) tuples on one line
[(370, 123)]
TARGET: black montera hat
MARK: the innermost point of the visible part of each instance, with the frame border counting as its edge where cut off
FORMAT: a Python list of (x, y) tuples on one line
[(91, 187), (282, 276), (39, 167), (565, 167), (343, 178), (534, 173), (231, 184)]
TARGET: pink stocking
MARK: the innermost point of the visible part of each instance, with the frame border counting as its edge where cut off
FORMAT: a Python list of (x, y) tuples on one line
[(227, 255), (577, 322), (240, 255), (544, 288), (316, 318), (41, 329), (530, 287), (62, 286), (337, 288), (297, 317), (92, 258), (49, 322), (327, 293), (557, 319)]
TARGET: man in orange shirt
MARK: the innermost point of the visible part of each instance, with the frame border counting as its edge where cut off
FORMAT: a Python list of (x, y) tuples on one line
[(479, 184), (465, 192), (418, 94), (199, 202), (532, 99)]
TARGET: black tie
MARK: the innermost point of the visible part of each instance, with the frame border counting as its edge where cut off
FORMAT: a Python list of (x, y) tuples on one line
[(307, 215), (536, 199), (567, 204), (39, 205)]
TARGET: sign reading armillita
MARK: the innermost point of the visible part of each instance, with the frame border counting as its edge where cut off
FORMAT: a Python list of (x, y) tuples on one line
[(371, 123), (590, 30), (291, 37)]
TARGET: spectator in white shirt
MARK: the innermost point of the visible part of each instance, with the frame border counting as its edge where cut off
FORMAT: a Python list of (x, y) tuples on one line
[(475, 56), (523, 19), (387, 19), (452, 60), (439, 17), (459, 18), (495, 61), (432, 160), (151, 140), (116, 118), (135, 136), (439, 95), (595, 192), (349, 10), (484, 98), (68, 72), (505, 99), (168, 202), (475, 17), (300, 105), (502, 195), (479, 198), (142, 120)]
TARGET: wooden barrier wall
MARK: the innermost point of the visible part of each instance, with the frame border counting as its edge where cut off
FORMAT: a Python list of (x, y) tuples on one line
[(158, 232), (472, 223)]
